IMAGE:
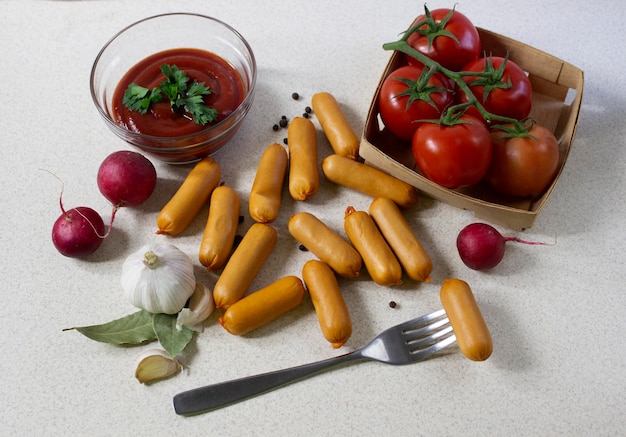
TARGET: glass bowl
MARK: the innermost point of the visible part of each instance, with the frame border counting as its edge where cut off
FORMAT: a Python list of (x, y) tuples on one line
[(164, 32)]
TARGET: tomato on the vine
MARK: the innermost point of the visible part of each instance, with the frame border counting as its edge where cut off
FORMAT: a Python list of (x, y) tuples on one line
[(409, 94), (447, 37), (503, 89), (523, 165), (453, 155)]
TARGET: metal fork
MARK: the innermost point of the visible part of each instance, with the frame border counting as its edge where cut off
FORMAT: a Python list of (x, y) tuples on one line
[(405, 343)]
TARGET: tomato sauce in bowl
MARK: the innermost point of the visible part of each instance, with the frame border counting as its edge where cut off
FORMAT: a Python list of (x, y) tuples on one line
[(207, 51), (222, 79)]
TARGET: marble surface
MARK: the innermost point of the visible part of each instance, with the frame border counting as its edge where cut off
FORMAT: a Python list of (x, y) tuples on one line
[(557, 313)]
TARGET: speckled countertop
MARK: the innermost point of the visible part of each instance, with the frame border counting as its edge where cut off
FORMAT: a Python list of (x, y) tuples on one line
[(557, 313)]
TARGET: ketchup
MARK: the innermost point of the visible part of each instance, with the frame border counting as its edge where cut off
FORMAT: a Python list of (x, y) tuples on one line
[(222, 79)]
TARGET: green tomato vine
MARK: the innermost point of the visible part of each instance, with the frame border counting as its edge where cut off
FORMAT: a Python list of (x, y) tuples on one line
[(491, 79)]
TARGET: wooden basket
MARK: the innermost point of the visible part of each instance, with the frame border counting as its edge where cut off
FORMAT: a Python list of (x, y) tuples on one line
[(557, 96)]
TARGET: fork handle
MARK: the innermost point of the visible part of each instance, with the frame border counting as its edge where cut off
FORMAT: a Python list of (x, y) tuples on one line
[(212, 397)]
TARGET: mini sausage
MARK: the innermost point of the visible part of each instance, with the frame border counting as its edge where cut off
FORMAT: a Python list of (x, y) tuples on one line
[(379, 259), (221, 228), (368, 180), (470, 329), (304, 178), (335, 125), (325, 244), (405, 245), (266, 192), (244, 264), (261, 307), (192, 195), (331, 309)]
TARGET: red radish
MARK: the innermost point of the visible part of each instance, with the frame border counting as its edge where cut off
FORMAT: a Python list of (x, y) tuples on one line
[(126, 178), (78, 232), (481, 246)]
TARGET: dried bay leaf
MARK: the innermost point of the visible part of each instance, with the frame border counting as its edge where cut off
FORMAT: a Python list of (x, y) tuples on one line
[(173, 339), (135, 328)]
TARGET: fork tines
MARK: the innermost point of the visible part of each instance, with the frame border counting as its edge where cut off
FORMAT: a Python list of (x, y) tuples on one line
[(428, 330)]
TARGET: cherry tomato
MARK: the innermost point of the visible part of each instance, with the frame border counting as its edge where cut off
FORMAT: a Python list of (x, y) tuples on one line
[(494, 91), (523, 166), (455, 155), (448, 37), (407, 97)]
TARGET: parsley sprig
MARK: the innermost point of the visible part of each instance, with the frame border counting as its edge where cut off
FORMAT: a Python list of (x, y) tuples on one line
[(176, 88)]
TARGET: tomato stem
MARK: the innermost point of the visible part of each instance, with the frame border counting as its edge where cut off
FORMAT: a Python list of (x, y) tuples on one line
[(420, 89), (433, 29), (433, 66), (518, 129)]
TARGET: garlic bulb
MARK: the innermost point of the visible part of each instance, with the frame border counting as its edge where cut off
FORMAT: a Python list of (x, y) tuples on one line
[(158, 278), (201, 305), (155, 364)]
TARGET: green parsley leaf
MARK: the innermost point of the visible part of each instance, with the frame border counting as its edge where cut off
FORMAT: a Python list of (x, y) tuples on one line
[(198, 89), (175, 83), (181, 95), (175, 76), (194, 103), (138, 98), (200, 113)]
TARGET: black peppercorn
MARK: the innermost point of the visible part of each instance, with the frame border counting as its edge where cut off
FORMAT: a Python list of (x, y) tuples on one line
[(392, 304), (295, 96)]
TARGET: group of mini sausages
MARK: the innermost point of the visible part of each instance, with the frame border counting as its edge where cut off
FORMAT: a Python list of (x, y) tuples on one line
[(380, 239)]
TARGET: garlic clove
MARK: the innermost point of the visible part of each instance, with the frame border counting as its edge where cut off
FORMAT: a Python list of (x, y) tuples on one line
[(201, 305), (154, 365)]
